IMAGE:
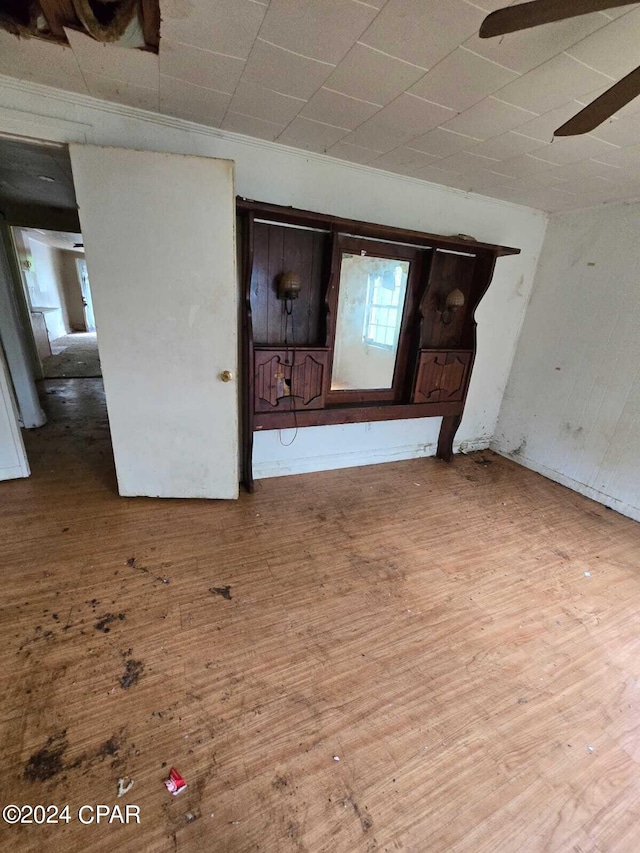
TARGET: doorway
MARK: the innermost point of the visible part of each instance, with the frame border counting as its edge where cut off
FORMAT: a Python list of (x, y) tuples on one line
[(47, 286), (165, 293), (57, 292)]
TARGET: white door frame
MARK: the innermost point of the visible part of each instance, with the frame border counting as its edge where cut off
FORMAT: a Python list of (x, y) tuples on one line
[(13, 458)]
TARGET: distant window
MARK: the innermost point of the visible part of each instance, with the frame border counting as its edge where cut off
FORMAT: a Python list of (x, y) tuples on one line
[(384, 306)]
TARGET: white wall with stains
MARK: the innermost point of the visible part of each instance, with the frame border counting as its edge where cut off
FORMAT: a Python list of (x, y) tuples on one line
[(274, 173), (571, 409)]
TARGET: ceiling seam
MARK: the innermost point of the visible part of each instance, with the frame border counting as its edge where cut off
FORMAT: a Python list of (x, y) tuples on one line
[(286, 127)]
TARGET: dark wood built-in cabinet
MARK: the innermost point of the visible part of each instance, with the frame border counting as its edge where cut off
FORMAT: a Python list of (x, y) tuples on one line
[(289, 379), (367, 302)]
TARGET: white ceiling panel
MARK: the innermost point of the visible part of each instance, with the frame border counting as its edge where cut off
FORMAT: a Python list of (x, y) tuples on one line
[(619, 131), (194, 103), (572, 149), (422, 31), (123, 93), (353, 153), (397, 123), (283, 71), (264, 104), (489, 118), (521, 166), (613, 50), (372, 76), (337, 109), (443, 143), (321, 29), (250, 126), (619, 11), (311, 135), (465, 162), (552, 84), (200, 67), (404, 160), (507, 145), (626, 158), (225, 26), (587, 169), (40, 62), (462, 79), (530, 48), (135, 67)]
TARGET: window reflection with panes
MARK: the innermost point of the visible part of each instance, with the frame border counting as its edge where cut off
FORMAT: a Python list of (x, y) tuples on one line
[(385, 294)]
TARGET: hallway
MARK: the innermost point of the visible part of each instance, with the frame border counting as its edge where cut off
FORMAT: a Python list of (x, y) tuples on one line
[(73, 356), (75, 442)]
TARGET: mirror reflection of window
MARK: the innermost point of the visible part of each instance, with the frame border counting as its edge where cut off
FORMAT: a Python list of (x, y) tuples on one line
[(370, 304)]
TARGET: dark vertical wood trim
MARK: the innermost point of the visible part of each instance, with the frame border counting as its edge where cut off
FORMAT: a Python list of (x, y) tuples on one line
[(425, 261), (331, 304), (151, 23), (482, 275), (448, 430), (247, 353)]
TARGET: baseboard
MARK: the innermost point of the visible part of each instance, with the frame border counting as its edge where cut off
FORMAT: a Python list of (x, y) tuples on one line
[(623, 508), (333, 461)]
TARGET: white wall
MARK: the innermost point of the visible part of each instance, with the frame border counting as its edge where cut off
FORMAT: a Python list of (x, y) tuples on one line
[(13, 460), (47, 291), (273, 173), (572, 405), (13, 340)]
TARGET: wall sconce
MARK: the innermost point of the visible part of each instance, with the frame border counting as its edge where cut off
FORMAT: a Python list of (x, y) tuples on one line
[(452, 304), (289, 285)]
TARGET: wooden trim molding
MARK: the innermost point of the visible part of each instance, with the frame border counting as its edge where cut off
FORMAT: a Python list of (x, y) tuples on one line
[(291, 216)]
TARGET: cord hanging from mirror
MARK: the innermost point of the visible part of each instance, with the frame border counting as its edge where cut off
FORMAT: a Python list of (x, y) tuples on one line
[(290, 355)]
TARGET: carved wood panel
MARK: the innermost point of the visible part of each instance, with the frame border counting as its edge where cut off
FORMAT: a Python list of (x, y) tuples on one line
[(442, 376), (289, 379)]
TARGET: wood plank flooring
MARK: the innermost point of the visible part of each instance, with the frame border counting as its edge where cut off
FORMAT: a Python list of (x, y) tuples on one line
[(464, 638)]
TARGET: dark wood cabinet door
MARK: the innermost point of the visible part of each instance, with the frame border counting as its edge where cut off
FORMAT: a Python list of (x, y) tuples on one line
[(454, 377), (427, 389), (442, 376), (289, 379)]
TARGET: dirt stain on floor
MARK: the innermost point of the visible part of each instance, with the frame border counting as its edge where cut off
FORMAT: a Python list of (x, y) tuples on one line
[(47, 762), (224, 591), (133, 669), (108, 619), (366, 821)]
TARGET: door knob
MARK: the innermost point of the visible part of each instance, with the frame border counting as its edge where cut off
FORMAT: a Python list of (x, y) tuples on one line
[(226, 376)]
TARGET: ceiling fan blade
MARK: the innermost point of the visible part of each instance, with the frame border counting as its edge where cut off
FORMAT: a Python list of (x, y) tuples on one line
[(537, 12), (606, 105)]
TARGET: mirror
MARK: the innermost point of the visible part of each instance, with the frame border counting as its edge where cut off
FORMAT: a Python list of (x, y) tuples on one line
[(369, 317)]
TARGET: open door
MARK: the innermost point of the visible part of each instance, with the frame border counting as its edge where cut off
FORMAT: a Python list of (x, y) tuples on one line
[(159, 236), (13, 459)]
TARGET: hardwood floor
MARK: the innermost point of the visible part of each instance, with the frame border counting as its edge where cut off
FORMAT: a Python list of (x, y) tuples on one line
[(464, 638)]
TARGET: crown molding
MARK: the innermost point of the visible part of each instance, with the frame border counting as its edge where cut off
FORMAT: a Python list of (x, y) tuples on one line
[(61, 96)]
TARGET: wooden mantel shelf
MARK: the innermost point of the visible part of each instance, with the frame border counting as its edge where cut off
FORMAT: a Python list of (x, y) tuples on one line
[(292, 216)]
